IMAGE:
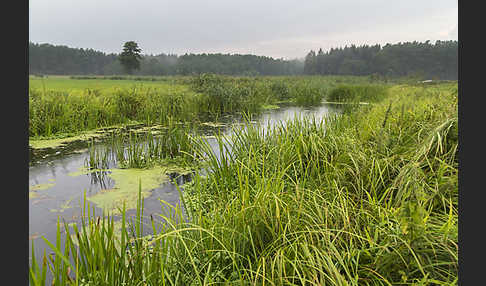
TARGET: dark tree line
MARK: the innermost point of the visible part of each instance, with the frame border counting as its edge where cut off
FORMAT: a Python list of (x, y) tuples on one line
[(434, 61), (50, 59), (237, 65)]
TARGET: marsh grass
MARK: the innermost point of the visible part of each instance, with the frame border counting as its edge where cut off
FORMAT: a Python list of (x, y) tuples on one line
[(249, 94), (225, 94), (357, 93), (71, 105), (305, 94), (365, 198), (53, 112), (144, 149)]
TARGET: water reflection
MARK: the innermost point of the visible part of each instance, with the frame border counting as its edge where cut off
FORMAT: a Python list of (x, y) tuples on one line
[(101, 179)]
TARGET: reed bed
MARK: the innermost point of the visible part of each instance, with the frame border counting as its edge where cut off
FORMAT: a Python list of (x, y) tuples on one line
[(365, 198), (250, 93), (357, 93), (144, 149), (57, 112), (67, 106)]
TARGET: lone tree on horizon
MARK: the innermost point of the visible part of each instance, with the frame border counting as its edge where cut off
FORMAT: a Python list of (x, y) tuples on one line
[(130, 57)]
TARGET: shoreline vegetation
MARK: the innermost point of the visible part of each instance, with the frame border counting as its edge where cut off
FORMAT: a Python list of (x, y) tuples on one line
[(61, 107), (67, 111), (367, 197)]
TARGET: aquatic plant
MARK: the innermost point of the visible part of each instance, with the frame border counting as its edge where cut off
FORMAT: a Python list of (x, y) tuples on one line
[(142, 150)]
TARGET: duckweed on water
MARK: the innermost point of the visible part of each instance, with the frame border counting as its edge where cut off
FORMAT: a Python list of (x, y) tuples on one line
[(33, 195), (57, 142), (66, 205), (127, 186), (39, 187)]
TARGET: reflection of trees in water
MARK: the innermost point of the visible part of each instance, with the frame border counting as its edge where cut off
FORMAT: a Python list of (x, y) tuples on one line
[(180, 179), (101, 178), (52, 168)]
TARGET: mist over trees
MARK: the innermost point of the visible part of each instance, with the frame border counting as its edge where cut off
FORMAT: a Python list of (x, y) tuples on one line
[(237, 65), (62, 60), (426, 60)]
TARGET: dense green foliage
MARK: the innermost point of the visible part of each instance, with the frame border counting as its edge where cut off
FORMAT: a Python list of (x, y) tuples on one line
[(236, 64), (424, 60), (366, 198), (130, 57), (61, 60), (50, 59)]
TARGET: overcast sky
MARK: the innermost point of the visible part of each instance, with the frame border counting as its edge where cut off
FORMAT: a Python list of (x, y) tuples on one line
[(277, 28)]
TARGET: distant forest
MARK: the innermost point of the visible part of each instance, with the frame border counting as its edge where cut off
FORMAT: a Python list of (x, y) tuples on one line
[(425, 60), (62, 60)]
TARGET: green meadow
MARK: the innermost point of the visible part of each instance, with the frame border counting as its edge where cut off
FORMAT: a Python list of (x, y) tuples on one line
[(73, 84)]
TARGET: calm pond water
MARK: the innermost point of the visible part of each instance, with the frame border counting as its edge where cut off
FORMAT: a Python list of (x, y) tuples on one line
[(64, 190)]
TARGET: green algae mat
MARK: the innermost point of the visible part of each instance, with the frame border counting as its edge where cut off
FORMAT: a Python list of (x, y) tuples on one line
[(128, 182)]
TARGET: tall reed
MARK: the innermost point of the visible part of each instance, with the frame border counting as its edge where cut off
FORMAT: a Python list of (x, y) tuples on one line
[(357, 93), (144, 149)]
